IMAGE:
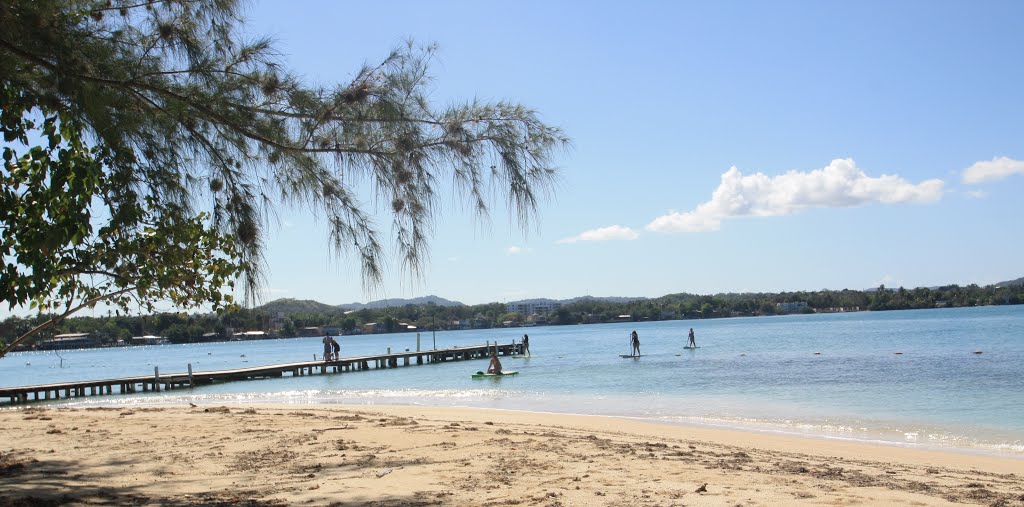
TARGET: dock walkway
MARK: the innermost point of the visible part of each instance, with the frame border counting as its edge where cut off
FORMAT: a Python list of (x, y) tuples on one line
[(158, 381)]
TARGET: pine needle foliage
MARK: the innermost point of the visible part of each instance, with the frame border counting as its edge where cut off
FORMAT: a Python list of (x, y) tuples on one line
[(207, 120)]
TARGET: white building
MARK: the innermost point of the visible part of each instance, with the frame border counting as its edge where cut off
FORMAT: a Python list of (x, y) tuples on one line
[(528, 308)]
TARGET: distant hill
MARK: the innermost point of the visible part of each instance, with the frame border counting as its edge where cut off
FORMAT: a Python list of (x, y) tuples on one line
[(1019, 281), (611, 299), (289, 306), (397, 302), (578, 299)]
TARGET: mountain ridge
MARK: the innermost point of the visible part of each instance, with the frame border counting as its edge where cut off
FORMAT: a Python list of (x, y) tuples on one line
[(291, 305)]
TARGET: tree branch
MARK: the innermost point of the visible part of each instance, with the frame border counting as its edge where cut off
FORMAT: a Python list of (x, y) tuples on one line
[(56, 320)]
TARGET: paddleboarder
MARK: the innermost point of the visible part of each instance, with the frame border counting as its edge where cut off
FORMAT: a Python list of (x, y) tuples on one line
[(634, 341), (526, 344), (693, 342)]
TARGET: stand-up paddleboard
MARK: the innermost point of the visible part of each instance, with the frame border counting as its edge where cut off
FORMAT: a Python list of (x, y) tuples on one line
[(627, 355), (481, 374), (691, 348), (520, 356)]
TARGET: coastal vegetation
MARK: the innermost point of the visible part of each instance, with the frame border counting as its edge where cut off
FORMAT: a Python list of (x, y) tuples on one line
[(286, 318), (149, 125)]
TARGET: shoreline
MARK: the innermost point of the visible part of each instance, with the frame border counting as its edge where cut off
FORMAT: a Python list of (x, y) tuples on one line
[(762, 427), (322, 454), (795, 434)]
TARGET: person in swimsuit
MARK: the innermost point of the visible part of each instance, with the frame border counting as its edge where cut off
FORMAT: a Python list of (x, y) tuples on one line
[(495, 366), (693, 342), (526, 344), (634, 341)]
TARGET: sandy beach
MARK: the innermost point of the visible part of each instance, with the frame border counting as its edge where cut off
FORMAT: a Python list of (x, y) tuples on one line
[(401, 455)]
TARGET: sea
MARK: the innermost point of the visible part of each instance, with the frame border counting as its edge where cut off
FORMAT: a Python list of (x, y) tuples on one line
[(950, 379)]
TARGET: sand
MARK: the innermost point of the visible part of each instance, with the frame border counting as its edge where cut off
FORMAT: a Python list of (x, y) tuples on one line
[(375, 455)]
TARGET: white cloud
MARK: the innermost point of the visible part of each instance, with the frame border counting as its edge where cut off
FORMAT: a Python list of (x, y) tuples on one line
[(838, 185), (993, 170), (977, 194), (610, 233)]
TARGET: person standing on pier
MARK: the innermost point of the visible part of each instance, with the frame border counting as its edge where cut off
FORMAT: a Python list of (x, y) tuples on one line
[(526, 344), (327, 346), (337, 348)]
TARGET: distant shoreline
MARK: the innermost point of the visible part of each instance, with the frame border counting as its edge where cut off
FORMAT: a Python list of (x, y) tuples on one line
[(333, 331)]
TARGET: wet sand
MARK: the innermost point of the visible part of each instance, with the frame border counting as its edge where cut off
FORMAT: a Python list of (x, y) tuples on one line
[(382, 455)]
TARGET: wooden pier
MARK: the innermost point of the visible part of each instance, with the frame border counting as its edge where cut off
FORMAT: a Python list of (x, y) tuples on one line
[(158, 381)]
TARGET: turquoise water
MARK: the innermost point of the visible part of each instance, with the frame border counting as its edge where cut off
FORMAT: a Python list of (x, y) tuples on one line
[(833, 376)]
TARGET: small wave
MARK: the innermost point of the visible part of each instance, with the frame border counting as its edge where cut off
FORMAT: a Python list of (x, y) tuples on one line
[(875, 434)]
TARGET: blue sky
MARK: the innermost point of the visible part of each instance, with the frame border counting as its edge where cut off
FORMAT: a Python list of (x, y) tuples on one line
[(717, 146)]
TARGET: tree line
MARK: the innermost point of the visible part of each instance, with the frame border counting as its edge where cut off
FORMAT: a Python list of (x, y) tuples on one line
[(184, 328)]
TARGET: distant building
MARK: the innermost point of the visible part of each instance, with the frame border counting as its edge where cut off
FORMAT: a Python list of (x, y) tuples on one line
[(277, 321), (313, 331), (533, 307), (149, 340), (373, 328), (250, 335), (794, 306), (537, 319), (68, 341)]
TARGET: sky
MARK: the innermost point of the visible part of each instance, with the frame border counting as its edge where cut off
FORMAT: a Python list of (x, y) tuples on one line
[(717, 147)]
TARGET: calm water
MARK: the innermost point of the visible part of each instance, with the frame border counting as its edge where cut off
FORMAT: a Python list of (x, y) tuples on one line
[(758, 373)]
